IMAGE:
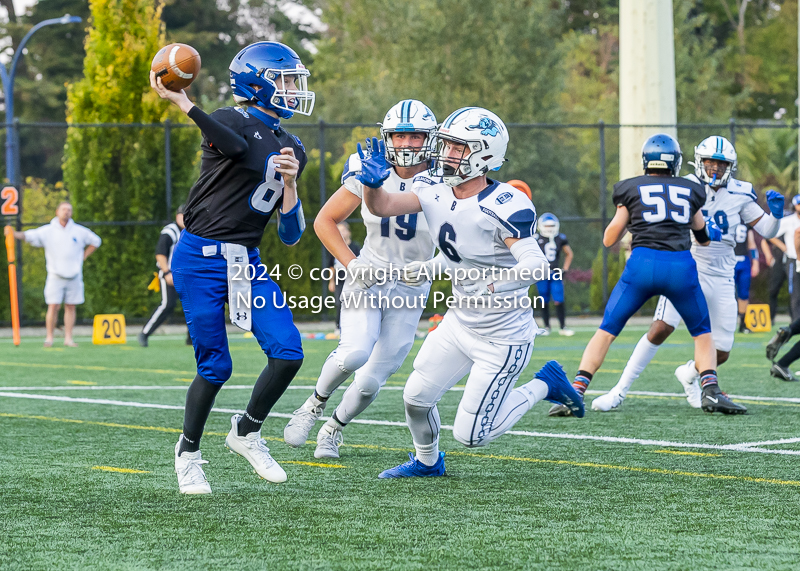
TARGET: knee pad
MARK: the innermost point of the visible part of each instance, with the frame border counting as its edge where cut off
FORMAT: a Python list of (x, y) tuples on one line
[(219, 370), (352, 361), (367, 385)]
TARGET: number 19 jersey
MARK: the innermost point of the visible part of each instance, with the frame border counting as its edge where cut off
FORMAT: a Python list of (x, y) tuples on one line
[(397, 240), (661, 210)]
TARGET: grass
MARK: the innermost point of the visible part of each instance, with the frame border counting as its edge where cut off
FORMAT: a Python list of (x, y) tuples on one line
[(87, 485)]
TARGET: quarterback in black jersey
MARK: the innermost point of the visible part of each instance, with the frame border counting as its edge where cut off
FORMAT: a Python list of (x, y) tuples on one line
[(249, 170), (658, 209)]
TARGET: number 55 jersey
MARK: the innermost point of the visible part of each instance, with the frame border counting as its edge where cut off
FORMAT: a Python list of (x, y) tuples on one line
[(661, 210)]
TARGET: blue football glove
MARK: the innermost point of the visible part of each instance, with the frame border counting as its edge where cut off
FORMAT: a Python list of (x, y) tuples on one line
[(714, 232), (374, 167), (775, 203)]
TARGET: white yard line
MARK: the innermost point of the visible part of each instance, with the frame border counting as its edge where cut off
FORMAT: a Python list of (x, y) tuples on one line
[(613, 439), (770, 442)]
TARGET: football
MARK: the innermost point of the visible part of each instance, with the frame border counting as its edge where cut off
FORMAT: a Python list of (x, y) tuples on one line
[(177, 65)]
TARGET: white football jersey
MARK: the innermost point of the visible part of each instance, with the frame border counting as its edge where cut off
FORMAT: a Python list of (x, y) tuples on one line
[(729, 206), (470, 232), (394, 241)]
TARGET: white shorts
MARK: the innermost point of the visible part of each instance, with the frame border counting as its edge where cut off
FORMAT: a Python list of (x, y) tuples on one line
[(720, 294), (60, 290), (449, 353)]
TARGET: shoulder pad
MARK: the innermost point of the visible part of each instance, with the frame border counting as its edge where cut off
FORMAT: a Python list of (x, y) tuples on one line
[(509, 209), (742, 187), (351, 167), (298, 141), (693, 177), (422, 179)]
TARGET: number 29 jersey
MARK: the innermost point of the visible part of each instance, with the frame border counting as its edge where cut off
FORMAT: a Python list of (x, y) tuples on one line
[(397, 240), (730, 207), (661, 209), (233, 200)]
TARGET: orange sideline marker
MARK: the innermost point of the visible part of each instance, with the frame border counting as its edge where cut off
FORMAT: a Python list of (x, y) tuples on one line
[(12, 283)]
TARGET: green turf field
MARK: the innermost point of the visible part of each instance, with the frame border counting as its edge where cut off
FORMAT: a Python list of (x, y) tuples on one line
[(88, 480)]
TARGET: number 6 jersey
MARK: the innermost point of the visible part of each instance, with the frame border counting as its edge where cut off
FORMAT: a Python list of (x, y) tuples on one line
[(661, 210), (397, 240)]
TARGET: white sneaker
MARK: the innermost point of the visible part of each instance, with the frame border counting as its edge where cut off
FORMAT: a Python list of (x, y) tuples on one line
[(687, 375), (544, 332), (191, 478), (296, 432), (608, 401), (254, 449), (328, 442), (566, 332)]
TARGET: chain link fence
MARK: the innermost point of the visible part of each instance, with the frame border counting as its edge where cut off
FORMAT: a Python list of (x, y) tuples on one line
[(571, 169)]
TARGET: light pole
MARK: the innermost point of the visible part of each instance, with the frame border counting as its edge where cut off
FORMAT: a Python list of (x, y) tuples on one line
[(8, 90), (12, 152)]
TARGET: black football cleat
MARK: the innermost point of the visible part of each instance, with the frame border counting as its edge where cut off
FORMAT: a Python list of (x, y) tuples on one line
[(782, 373), (778, 341), (142, 339), (714, 400), (559, 410)]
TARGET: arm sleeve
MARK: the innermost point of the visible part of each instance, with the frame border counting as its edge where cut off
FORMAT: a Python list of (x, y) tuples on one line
[(92, 239), (531, 266), (164, 244), (220, 136), (768, 226), (36, 237)]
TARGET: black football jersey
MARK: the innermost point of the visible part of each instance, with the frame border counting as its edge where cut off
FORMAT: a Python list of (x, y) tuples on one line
[(552, 248), (233, 200), (661, 209)]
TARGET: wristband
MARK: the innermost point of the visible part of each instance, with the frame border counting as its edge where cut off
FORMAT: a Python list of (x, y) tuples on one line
[(701, 235)]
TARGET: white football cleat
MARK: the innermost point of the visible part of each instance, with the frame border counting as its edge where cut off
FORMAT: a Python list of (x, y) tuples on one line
[(544, 332), (328, 442), (296, 432), (607, 402), (687, 375), (188, 467), (566, 332), (254, 449)]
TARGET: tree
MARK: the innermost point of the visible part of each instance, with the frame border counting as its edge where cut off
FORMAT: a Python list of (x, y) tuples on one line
[(117, 174)]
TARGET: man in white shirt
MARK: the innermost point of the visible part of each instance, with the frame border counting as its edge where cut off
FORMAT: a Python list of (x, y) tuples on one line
[(66, 245), (789, 225)]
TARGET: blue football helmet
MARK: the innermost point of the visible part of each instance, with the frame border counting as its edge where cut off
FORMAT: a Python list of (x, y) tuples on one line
[(662, 152), (260, 74)]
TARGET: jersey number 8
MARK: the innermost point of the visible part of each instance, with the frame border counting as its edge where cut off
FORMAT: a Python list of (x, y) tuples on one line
[(267, 194), (672, 202)]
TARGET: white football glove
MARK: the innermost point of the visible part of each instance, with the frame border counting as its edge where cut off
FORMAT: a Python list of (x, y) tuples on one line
[(417, 273), (362, 273), (476, 288)]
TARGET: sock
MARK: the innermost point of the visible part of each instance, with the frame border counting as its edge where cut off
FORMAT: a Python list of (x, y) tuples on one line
[(791, 356), (561, 312), (334, 423), (708, 378), (428, 454), (546, 315), (581, 382), (319, 397), (199, 401), (643, 353), (741, 322), (271, 384)]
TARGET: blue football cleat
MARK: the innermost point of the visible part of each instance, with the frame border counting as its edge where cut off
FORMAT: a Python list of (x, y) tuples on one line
[(561, 390), (415, 469)]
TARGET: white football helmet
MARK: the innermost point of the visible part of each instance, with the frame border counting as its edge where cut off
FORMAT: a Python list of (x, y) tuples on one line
[(718, 148), (485, 138), (408, 116), (548, 226)]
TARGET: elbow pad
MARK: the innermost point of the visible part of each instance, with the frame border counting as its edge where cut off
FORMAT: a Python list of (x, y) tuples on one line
[(531, 266), (767, 226), (291, 225)]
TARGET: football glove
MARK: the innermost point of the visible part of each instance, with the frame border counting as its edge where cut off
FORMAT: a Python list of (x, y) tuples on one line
[(477, 288), (374, 167), (417, 273), (714, 232), (361, 273), (775, 203)]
